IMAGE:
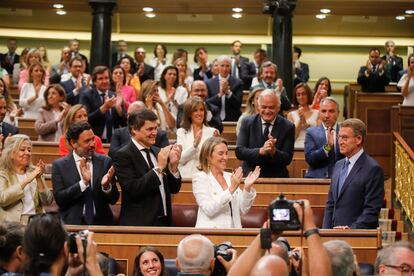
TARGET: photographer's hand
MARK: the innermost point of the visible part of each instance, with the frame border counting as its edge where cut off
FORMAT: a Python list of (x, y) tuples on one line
[(228, 264), (91, 263)]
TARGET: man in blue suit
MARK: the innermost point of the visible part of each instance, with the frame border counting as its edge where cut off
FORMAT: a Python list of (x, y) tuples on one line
[(357, 185), (321, 145), (266, 139), (76, 84), (106, 110), (225, 91)]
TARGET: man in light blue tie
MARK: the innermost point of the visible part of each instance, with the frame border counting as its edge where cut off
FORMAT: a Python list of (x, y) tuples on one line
[(357, 185)]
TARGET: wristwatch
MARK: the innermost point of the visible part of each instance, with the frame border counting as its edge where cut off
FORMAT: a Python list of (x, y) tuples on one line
[(327, 147), (311, 232)]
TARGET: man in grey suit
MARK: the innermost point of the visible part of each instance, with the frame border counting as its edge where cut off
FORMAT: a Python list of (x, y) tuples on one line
[(321, 145), (356, 193)]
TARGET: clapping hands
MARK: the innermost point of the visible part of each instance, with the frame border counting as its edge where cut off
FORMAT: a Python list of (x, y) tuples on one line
[(251, 178)]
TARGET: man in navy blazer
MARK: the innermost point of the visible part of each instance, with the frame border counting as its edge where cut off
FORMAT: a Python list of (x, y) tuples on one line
[(356, 193), (321, 145), (76, 84), (225, 91), (122, 136), (5, 128), (148, 175), (266, 139), (83, 182), (106, 110), (143, 70)]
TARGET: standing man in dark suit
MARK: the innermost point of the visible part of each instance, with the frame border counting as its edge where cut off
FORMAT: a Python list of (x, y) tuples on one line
[(204, 71), (5, 128), (10, 58), (237, 60), (357, 184), (143, 70), (393, 63), (76, 84), (266, 139), (121, 51), (148, 175), (321, 145), (122, 136), (83, 182), (372, 77), (106, 110), (74, 46), (300, 69), (250, 70), (225, 91)]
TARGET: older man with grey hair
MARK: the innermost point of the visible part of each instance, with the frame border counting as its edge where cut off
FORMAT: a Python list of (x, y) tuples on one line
[(266, 139), (225, 91), (396, 259), (195, 255), (342, 257)]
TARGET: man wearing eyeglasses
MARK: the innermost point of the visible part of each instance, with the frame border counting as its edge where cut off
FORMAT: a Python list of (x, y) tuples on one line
[(396, 259), (357, 184)]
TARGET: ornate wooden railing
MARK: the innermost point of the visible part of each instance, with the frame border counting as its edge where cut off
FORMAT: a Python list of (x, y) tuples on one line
[(404, 175)]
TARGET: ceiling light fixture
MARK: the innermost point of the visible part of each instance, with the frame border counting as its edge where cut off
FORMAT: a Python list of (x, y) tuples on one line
[(58, 6), (320, 16), (325, 11), (400, 17), (237, 9), (61, 12), (409, 11), (147, 9), (237, 15), (150, 15)]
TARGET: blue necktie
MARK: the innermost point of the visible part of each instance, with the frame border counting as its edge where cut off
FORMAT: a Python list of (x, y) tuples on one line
[(342, 176)]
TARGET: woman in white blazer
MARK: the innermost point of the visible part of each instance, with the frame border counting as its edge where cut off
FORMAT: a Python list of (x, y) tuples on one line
[(220, 200), (193, 133)]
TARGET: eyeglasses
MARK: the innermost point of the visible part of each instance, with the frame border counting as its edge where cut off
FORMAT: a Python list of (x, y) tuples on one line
[(344, 137), (405, 269)]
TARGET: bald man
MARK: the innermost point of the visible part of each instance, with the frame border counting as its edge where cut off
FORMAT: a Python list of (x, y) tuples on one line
[(121, 136), (270, 265)]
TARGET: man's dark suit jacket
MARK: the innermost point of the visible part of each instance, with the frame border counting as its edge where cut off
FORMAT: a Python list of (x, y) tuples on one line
[(373, 83), (7, 129), (233, 103), (93, 101), (215, 119), (359, 203), (141, 198), (68, 85), (320, 164), (248, 73), (9, 65), (393, 68), (122, 137), (196, 74), (148, 72), (68, 195), (250, 140), (302, 74)]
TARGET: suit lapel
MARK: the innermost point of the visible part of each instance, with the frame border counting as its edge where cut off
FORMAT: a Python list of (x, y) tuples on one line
[(96, 165), (276, 130), (352, 174), (71, 167), (257, 128)]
